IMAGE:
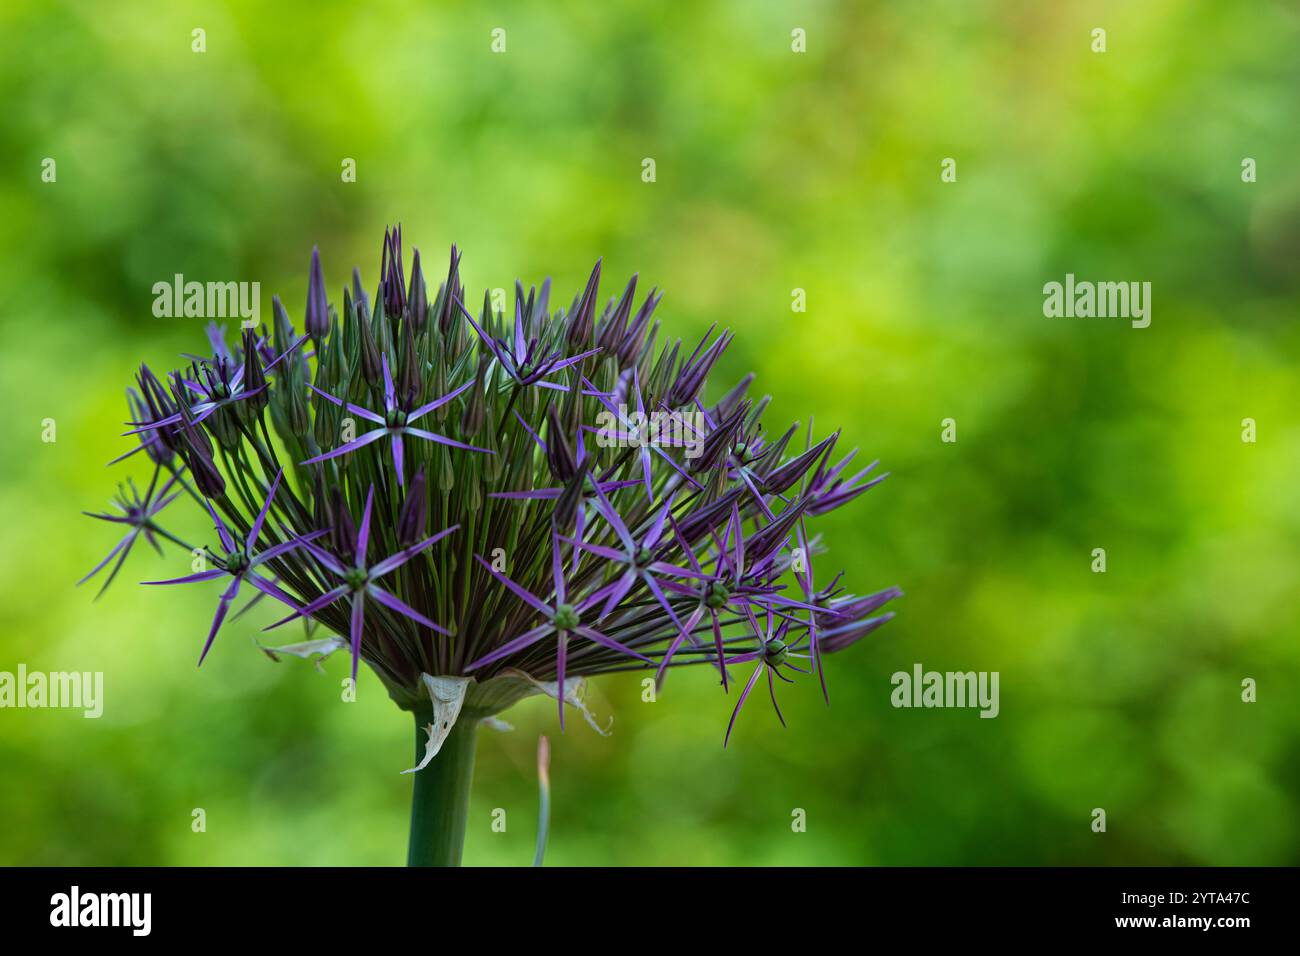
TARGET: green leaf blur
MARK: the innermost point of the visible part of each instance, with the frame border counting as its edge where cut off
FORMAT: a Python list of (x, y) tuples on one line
[(775, 171)]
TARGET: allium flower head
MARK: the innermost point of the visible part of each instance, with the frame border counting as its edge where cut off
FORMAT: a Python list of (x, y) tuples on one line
[(486, 502)]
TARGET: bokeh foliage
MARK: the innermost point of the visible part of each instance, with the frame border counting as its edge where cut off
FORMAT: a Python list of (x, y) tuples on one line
[(774, 171)]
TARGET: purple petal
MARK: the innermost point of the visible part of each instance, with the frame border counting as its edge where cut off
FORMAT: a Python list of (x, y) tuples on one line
[(421, 433), (358, 628), (227, 541), (354, 409), (526, 596), (324, 557), (557, 568), (274, 552), (222, 607), (619, 591), (741, 703), (393, 604), (363, 535), (401, 557), (190, 578), (390, 398), (261, 515), (437, 403), (351, 446), (510, 647), (326, 599), (594, 635), (397, 456)]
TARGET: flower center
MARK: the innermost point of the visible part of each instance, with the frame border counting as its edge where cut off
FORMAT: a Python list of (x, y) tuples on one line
[(236, 561), (775, 652), (642, 556), (356, 578), (566, 617), (716, 594), (396, 418)]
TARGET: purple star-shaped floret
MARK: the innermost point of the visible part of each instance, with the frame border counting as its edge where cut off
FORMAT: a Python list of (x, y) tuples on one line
[(394, 422), (828, 490), (562, 619), (218, 383), (240, 560), (637, 433), (137, 512), (637, 558), (772, 654), (732, 586), (359, 581), (590, 485), (527, 362)]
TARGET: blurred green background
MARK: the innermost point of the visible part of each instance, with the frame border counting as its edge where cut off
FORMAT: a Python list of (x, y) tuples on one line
[(775, 171)]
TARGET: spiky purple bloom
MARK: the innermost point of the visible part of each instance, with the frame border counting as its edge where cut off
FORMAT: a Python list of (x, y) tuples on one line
[(394, 422), (138, 515), (559, 558), (359, 579), (529, 360), (239, 559)]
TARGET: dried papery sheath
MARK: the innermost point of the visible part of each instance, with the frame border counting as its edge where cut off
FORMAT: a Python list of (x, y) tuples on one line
[(487, 506)]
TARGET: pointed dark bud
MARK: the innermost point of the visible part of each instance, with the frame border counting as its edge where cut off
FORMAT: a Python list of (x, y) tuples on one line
[(159, 405), (372, 368), (359, 294), (710, 516), (316, 321), (729, 402), (614, 325), (782, 478), (690, 379), (629, 350), (343, 533), (392, 280), (476, 401), (281, 331), (452, 290), (718, 442), (158, 451), (254, 377), (198, 454), (412, 520), (559, 450), (772, 537), (409, 379), (583, 318), (566, 506), (417, 299)]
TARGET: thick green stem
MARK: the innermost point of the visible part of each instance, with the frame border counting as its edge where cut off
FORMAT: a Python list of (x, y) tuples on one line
[(440, 803)]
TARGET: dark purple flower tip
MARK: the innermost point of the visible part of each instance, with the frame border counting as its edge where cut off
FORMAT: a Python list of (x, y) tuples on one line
[(413, 519), (612, 328), (581, 322), (253, 385), (417, 298), (316, 321), (836, 639), (451, 292), (151, 442), (198, 455), (690, 379), (781, 478), (559, 449), (392, 281), (629, 350)]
